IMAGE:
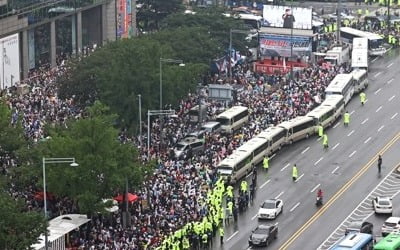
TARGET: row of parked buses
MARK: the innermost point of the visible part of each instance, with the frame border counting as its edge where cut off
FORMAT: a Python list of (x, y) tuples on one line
[(338, 94)]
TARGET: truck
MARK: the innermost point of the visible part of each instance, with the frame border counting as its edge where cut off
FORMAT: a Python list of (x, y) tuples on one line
[(338, 55), (359, 55)]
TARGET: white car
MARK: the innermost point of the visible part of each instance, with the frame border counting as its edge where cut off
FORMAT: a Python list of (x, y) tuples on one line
[(270, 209), (392, 224), (382, 205)]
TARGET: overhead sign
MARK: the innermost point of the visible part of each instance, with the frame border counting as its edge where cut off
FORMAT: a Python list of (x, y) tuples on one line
[(280, 45), (9, 61), (287, 17)]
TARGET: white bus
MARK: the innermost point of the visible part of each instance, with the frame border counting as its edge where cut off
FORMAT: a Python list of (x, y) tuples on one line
[(258, 147), (233, 119), (235, 166), (298, 128), (375, 41), (276, 137), (360, 77), (342, 84), (337, 102), (324, 115)]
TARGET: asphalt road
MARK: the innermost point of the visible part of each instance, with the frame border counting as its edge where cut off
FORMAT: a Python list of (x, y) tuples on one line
[(352, 149)]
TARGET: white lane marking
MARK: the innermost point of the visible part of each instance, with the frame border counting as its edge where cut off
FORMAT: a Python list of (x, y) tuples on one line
[(279, 195), (299, 178), (265, 183), (393, 116), (390, 65), (367, 140), (287, 165), (295, 206), (377, 74), (350, 133), (337, 124), (337, 144), (255, 216), (272, 156), (391, 98), (366, 100), (320, 159), (352, 153), (335, 169), (233, 235), (373, 60), (379, 129), (352, 112), (391, 80), (378, 109), (319, 138), (305, 150), (315, 188), (377, 91), (366, 119), (247, 176)]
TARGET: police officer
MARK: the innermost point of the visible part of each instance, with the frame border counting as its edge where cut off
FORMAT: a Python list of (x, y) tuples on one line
[(294, 173), (362, 98), (266, 163), (320, 130), (221, 234), (325, 141), (243, 186), (346, 118)]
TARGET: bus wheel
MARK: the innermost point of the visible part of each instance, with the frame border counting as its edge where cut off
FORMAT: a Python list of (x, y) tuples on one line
[(307, 135)]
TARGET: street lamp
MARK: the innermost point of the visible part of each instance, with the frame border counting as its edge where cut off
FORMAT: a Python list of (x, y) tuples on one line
[(230, 47), (52, 161), (140, 121), (166, 60), (151, 113)]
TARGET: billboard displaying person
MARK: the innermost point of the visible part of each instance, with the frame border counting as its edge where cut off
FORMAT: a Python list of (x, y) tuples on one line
[(288, 19)]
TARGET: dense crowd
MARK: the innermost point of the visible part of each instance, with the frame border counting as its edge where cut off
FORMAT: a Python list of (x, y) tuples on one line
[(173, 194)]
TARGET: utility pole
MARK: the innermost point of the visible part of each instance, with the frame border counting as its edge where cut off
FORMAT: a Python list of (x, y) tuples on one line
[(140, 122), (339, 21)]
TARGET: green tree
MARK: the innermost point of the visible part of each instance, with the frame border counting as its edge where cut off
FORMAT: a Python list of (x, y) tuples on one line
[(152, 12), (104, 163), (11, 135), (19, 229)]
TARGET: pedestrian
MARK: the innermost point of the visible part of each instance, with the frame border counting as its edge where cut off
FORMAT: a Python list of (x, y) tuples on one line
[(346, 118), (266, 163), (379, 163), (325, 141), (362, 98), (320, 130), (221, 234), (294, 173)]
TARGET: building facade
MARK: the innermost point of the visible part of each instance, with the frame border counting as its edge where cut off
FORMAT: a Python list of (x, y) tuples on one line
[(38, 32)]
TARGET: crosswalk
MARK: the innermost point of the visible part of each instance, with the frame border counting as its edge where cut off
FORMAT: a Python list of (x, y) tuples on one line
[(388, 187)]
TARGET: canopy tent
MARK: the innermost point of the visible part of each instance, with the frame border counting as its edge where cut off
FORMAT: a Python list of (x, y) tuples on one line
[(131, 198)]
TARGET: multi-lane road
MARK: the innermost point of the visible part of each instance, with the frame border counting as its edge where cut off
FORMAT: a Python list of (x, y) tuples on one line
[(347, 172)]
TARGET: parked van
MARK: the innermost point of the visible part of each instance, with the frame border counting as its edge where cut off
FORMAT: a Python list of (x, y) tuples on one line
[(298, 128), (211, 127), (337, 102), (258, 147), (276, 137), (188, 143), (233, 119), (235, 166)]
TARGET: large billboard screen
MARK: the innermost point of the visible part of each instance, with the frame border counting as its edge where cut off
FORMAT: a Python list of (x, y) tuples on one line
[(287, 17), (280, 45), (9, 61)]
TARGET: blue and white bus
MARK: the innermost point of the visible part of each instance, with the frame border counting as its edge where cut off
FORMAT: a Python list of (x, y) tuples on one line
[(354, 241), (375, 41)]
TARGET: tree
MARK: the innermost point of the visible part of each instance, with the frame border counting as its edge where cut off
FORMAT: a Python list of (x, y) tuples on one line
[(11, 135), (152, 12), (104, 163), (19, 229)]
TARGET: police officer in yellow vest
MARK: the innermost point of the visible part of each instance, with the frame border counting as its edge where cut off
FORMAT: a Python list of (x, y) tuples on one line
[(185, 243), (294, 173), (320, 130), (346, 118), (204, 239), (221, 234), (266, 163), (243, 186), (362, 98), (325, 141)]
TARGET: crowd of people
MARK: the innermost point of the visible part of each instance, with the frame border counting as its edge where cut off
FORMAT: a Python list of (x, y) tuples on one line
[(174, 195)]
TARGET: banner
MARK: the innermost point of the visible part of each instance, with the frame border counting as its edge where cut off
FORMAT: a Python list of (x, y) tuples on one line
[(9, 61), (31, 48), (280, 45), (287, 17), (124, 17)]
